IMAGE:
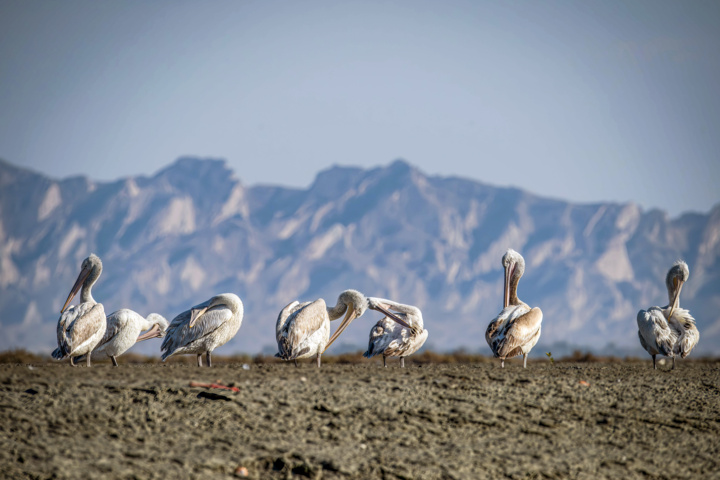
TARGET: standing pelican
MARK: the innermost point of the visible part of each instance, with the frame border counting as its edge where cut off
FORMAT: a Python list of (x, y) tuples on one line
[(516, 329), (123, 331), (80, 328), (204, 327), (390, 340), (302, 329), (669, 330)]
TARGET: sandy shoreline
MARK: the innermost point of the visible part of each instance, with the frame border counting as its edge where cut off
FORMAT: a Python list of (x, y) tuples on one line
[(562, 420)]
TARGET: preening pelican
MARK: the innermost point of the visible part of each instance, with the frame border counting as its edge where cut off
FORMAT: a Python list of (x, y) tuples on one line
[(669, 330), (80, 328), (516, 329), (302, 329), (123, 331), (204, 327), (391, 340)]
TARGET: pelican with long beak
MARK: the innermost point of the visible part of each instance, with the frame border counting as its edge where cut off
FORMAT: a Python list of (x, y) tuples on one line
[(669, 330), (389, 339), (123, 331), (80, 328), (303, 329), (204, 328), (516, 329)]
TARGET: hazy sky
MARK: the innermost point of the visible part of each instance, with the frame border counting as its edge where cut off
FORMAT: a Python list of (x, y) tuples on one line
[(587, 101)]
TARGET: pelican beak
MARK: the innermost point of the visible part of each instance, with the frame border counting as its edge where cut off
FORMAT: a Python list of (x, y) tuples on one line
[(78, 284), (154, 332), (349, 317), (506, 293), (195, 314), (380, 308), (677, 283)]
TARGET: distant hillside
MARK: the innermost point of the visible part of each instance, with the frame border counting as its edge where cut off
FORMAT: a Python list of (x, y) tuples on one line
[(193, 229)]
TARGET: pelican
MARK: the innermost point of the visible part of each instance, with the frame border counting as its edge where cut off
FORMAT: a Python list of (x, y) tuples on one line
[(123, 331), (81, 328), (516, 329), (669, 330), (390, 340), (302, 329), (204, 327)]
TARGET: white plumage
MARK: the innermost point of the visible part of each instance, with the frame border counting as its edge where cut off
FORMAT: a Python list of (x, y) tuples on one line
[(516, 330), (303, 329), (123, 331), (204, 327), (389, 339), (669, 330), (80, 328)]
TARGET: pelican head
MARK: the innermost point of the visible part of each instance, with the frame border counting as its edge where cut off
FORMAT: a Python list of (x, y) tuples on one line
[(229, 300), (514, 265), (89, 272), (158, 328), (355, 305), (676, 277)]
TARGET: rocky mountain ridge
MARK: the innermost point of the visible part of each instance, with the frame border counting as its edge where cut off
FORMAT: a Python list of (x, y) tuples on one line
[(193, 229)]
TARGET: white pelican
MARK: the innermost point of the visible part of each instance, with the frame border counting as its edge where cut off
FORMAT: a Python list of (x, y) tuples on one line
[(669, 330), (516, 329), (302, 329), (80, 328), (204, 327), (123, 331), (391, 340)]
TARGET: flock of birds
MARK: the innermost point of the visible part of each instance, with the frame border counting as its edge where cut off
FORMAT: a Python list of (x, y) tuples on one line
[(303, 329)]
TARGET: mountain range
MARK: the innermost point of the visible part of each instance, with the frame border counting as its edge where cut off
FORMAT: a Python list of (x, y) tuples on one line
[(192, 230)]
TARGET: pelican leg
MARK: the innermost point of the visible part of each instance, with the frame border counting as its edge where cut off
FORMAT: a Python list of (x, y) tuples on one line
[(502, 363), (199, 359), (673, 363), (524, 360), (384, 361), (87, 361), (114, 360), (402, 362), (318, 359), (209, 359), (296, 365), (72, 361), (654, 364)]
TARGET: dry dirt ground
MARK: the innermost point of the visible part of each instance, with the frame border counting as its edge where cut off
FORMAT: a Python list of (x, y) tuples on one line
[(561, 420)]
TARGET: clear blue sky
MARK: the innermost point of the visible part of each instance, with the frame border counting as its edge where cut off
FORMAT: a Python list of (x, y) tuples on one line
[(587, 101)]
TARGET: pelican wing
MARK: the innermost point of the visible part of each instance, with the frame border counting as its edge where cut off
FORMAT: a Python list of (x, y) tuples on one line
[(180, 334), (116, 321), (76, 325), (655, 334), (688, 335), (381, 337), (285, 313), (302, 323), (519, 332)]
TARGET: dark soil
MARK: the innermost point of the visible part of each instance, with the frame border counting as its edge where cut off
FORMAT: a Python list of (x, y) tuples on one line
[(562, 420)]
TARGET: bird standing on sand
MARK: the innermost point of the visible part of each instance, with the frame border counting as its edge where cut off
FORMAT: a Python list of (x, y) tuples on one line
[(81, 327), (302, 329), (123, 331), (669, 330), (204, 327), (516, 329), (390, 339)]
